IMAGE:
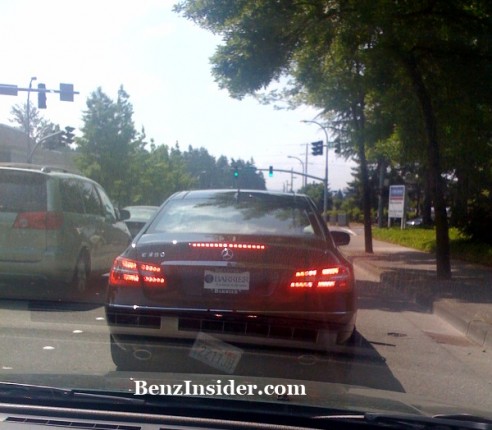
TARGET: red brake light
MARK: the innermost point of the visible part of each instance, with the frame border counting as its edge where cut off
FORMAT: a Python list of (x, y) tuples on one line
[(233, 245), (335, 278), (39, 220), (126, 272)]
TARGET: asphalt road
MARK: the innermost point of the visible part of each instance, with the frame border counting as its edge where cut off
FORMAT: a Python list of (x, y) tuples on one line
[(400, 347)]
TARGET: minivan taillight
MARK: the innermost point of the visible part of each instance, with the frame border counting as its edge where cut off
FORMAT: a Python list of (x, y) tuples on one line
[(336, 278), (39, 220), (127, 273)]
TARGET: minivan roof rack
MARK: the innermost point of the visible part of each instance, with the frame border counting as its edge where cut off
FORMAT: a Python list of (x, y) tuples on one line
[(45, 169), (48, 169)]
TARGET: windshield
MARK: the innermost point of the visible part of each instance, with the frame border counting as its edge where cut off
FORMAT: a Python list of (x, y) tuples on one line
[(275, 193)]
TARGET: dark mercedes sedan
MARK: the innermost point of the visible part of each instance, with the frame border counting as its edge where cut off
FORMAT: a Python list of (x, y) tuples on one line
[(245, 267)]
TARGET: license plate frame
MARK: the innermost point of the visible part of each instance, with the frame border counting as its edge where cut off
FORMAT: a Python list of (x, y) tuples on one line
[(226, 281)]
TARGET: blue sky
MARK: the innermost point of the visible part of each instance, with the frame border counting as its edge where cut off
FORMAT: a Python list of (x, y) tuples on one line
[(162, 61)]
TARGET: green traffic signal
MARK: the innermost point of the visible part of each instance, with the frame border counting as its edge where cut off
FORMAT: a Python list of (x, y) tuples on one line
[(270, 172)]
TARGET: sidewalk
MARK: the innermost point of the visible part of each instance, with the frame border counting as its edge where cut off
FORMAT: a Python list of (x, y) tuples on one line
[(465, 301)]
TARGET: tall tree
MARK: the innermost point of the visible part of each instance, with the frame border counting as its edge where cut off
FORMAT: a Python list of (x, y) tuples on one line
[(417, 41), (37, 127), (109, 140)]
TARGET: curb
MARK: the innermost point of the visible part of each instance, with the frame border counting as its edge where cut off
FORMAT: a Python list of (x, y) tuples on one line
[(465, 321), (460, 315)]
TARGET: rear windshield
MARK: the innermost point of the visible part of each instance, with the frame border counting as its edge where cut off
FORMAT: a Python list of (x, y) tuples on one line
[(248, 214), (143, 213), (22, 192)]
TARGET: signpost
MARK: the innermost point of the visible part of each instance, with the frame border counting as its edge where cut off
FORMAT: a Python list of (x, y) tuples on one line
[(397, 204)]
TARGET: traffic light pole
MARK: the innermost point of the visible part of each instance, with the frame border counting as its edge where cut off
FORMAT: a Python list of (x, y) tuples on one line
[(65, 91), (28, 116), (67, 138), (293, 172), (44, 139), (325, 194)]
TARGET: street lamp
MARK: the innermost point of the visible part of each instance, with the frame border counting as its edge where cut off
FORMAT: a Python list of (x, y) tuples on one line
[(28, 118), (325, 194), (303, 172)]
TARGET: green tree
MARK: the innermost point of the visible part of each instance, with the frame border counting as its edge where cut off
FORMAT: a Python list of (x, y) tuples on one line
[(108, 142), (37, 127), (159, 173), (316, 192), (373, 44)]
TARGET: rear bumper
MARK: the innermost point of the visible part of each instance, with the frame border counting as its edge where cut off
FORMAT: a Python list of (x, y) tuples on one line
[(54, 265), (302, 330)]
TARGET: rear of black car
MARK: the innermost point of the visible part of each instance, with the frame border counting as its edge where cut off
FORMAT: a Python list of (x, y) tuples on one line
[(244, 266)]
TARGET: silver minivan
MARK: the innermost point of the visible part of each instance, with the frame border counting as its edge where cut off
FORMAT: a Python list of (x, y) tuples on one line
[(57, 230)]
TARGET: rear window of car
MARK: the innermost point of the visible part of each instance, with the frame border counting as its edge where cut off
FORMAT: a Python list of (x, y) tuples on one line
[(140, 212), (22, 192), (232, 214)]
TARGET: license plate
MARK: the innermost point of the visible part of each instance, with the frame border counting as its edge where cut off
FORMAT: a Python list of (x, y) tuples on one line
[(226, 282), (215, 353)]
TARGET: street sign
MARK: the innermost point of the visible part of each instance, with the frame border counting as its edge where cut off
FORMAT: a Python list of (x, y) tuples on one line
[(396, 201), (66, 92), (8, 90)]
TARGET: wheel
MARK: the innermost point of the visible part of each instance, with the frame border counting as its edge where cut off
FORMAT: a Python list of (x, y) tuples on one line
[(81, 274)]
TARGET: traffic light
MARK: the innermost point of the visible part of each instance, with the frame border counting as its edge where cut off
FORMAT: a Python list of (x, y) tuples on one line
[(41, 96), (317, 148), (270, 171), (235, 172), (68, 135)]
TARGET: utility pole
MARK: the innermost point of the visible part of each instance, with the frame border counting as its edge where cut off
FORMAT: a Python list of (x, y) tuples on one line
[(306, 165), (28, 116), (325, 194)]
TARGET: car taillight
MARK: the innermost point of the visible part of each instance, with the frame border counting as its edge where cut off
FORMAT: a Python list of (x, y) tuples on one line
[(336, 278), (38, 220), (126, 272)]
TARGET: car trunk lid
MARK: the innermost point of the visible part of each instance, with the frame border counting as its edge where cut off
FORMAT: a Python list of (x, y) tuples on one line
[(234, 271)]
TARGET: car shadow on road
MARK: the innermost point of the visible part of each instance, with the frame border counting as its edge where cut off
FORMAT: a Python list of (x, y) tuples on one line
[(355, 364)]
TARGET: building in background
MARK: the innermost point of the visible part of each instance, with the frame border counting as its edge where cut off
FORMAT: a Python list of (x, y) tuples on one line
[(13, 149)]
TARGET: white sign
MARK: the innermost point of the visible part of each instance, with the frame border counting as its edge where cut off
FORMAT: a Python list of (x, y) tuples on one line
[(396, 201)]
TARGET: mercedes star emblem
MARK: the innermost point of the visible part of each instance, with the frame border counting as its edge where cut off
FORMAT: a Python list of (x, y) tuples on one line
[(227, 254)]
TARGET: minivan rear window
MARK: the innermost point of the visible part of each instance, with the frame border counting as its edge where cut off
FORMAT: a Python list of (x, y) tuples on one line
[(22, 192)]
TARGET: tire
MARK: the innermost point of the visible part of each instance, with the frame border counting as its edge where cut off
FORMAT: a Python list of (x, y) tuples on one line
[(81, 273), (346, 337)]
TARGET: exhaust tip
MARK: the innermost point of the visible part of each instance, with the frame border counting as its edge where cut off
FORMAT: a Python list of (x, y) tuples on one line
[(142, 354)]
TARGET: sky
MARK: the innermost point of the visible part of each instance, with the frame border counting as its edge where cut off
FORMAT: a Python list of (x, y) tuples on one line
[(162, 61)]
